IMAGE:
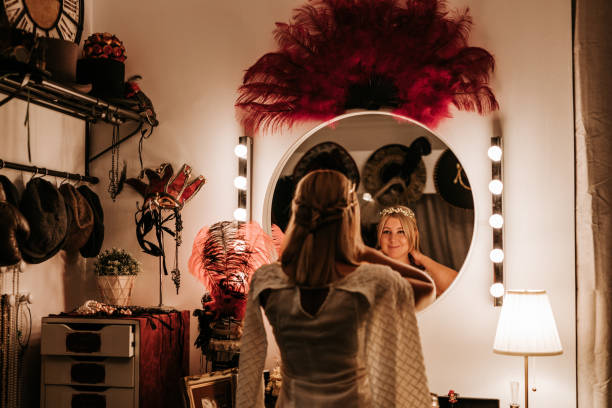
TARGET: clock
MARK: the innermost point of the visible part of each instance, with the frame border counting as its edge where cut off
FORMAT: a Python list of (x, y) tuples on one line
[(61, 19)]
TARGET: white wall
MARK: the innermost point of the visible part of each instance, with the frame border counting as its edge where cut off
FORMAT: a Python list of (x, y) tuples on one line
[(192, 55)]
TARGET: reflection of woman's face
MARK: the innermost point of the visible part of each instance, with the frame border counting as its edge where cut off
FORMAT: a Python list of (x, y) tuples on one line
[(393, 241)]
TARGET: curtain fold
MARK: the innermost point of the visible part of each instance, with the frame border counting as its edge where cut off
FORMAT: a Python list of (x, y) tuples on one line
[(593, 127)]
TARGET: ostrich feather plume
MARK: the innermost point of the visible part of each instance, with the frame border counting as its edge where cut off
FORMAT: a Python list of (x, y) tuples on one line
[(411, 56), (224, 257)]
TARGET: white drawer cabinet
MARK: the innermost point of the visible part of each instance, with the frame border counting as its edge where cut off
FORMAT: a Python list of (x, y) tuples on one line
[(89, 362), (127, 362)]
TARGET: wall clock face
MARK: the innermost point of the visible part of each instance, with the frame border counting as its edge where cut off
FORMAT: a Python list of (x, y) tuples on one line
[(46, 18)]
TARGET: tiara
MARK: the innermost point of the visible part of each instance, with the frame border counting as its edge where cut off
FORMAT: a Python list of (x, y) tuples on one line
[(406, 212)]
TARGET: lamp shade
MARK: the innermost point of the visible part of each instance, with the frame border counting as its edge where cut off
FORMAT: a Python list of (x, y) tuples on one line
[(526, 325)]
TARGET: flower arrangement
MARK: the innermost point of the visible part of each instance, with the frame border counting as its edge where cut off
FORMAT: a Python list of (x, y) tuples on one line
[(453, 397), (104, 45), (116, 262)]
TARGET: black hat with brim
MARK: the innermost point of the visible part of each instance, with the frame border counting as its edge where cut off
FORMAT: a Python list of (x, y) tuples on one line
[(451, 181), (327, 156), (94, 243), (43, 207), (10, 191)]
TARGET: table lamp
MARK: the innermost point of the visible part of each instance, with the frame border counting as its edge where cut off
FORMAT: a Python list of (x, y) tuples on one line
[(526, 327)]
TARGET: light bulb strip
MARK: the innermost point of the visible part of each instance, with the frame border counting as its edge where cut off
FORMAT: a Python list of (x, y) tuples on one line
[(497, 208), (244, 170)]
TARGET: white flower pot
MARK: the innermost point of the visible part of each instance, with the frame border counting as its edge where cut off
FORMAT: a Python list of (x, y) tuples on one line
[(116, 289)]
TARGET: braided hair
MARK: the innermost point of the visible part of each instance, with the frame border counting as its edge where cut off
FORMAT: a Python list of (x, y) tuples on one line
[(323, 229)]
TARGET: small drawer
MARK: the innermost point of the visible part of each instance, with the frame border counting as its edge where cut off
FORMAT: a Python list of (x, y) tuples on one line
[(87, 340), (63, 396), (109, 372)]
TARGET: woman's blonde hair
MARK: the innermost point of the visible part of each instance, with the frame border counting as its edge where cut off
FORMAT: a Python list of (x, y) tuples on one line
[(324, 229), (406, 218)]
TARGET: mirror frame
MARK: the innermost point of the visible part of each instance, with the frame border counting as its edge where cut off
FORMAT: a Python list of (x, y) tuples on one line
[(267, 205)]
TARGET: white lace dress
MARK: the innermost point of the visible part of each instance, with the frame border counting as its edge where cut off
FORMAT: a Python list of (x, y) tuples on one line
[(360, 349)]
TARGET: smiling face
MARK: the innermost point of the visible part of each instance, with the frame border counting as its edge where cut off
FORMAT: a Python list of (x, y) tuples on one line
[(394, 240)]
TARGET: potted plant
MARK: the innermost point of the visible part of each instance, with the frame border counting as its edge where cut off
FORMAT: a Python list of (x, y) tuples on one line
[(116, 270)]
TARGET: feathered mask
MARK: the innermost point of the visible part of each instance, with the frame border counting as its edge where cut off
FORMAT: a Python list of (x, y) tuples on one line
[(335, 55), (224, 258), (165, 191)]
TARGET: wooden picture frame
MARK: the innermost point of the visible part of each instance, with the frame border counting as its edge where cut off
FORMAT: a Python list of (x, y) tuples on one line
[(210, 390)]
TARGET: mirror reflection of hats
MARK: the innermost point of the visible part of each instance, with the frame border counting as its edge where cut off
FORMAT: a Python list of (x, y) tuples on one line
[(327, 156), (13, 228), (82, 220), (395, 174), (281, 201), (96, 238), (451, 181), (43, 207)]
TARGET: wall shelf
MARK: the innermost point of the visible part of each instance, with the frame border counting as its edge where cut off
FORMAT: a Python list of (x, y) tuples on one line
[(68, 101)]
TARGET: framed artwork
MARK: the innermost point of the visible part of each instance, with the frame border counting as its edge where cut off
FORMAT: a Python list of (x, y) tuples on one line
[(211, 390)]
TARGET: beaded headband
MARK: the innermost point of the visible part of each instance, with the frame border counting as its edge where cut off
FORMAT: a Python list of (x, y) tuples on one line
[(406, 212)]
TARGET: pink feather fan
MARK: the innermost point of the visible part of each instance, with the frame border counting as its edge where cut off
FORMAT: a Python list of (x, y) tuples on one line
[(411, 56), (224, 258)]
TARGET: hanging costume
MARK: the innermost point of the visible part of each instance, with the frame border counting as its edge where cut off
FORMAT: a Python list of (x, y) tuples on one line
[(360, 349)]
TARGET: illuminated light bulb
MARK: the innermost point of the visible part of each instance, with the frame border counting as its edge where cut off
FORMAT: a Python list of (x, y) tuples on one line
[(496, 221), (496, 187), (367, 197), (240, 183), (497, 290), (240, 214), (240, 151), (494, 153), (496, 255)]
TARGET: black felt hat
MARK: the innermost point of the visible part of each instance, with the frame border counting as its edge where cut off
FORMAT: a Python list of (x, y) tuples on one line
[(10, 191), (327, 156), (451, 181), (96, 238), (43, 207), (395, 174), (13, 225)]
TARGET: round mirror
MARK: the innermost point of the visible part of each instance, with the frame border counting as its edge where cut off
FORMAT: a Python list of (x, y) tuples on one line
[(393, 162)]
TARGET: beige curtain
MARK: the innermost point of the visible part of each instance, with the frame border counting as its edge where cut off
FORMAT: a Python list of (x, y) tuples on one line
[(593, 103)]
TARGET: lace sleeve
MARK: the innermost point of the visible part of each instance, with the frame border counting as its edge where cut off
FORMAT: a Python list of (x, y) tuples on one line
[(394, 357), (253, 346)]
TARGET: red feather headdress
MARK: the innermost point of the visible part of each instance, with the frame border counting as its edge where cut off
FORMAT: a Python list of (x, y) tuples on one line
[(335, 55), (224, 258)]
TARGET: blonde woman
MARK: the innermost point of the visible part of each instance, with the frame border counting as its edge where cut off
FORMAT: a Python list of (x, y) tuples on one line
[(346, 329), (398, 238)]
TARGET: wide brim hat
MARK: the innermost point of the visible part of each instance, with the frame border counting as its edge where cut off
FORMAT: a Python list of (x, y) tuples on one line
[(82, 220), (9, 191), (394, 175), (96, 238), (44, 208), (281, 201), (327, 156), (451, 181)]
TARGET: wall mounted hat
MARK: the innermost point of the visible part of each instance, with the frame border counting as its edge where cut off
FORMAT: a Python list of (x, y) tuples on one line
[(43, 207), (9, 191), (13, 228), (411, 56), (96, 238), (451, 181), (82, 220), (395, 174)]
